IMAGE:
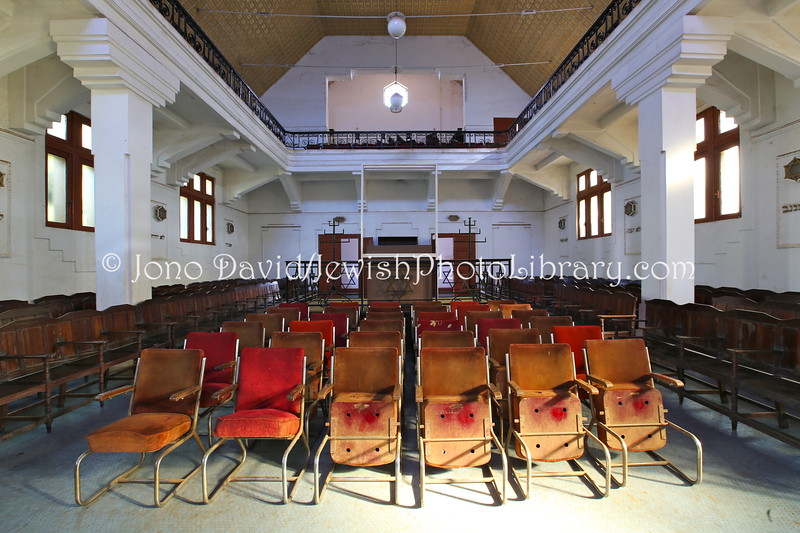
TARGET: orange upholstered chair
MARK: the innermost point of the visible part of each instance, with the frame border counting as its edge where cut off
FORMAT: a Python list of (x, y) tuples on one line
[(365, 423), (454, 407), (222, 351), (629, 410), (269, 405), (576, 336), (446, 339), (507, 309), (162, 416), (545, 413)]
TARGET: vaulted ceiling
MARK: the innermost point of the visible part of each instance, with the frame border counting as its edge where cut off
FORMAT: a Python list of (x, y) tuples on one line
[(261, 43)]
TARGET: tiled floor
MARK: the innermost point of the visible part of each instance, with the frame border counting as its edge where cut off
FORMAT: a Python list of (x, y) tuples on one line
[(752, 483)]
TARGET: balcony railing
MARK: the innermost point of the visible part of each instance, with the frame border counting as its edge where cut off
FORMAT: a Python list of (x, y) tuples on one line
[(180, 19)]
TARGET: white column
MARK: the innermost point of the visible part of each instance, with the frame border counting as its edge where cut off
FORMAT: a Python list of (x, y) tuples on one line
[(126, 82), (666, 150), (122, 138)]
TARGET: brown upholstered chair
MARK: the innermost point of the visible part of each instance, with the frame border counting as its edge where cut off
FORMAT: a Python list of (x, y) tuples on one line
[(162, 416), (340, 321), (495, 305), (454, 409), (545, 413), (498, 341), (272, 322), (365, 424), (251, 334), (545, 325), (269, 406), (301, 306), (288, 313), (525, 315), (378, 339), (629, 411), (507, 309), (471, 318), (446, 339), (372, 324), (351, 309)]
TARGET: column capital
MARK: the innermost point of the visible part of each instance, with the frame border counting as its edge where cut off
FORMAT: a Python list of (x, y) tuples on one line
[(681, 57), (103, 57)]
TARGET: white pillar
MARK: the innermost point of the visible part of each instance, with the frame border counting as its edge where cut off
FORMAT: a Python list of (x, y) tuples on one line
[(122, 142), (666, 150), (126, 81)]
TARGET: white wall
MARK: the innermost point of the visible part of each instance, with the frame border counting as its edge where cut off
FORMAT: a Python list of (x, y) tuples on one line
[(298, 99)]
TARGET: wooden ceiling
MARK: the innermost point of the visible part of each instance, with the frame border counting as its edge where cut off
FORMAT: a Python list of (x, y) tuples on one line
[(251, 40)]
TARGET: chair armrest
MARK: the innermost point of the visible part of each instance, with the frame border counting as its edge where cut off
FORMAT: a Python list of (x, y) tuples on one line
[(296, 393), (325, 391), (619, 317), (591, 389), (136, 332), (397, 393), (224, 392), (603, 382), (227, 364), (495, 391), (667, 380), (82, 342), (45, 356), (493, 363), (180, 395), (103, 396), (516, 388), (418, 394), (314, 366)]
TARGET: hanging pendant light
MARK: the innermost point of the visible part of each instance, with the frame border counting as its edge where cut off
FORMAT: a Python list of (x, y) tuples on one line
[(396, 24)]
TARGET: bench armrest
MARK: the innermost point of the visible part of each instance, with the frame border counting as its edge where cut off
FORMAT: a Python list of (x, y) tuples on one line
[(103, 396), (45, 356), (667, 380), (182, 394)]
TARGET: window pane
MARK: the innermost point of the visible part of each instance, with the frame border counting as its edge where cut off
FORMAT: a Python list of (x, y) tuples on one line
[(700, 188), (607, 212), (209, 187), (725, 123), (56, 189), (87, 196), (593, 178), (209, 223), (86, 136), (729, 181), (198, 221), (59, 129), (594, 216), (700, 130), (184, 215), (581, 182), (196, 182), (582, 219)]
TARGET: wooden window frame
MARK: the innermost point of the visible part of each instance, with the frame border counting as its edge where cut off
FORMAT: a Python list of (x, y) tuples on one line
[(711, 148), (587, 194), (192, 195), (75, 156)]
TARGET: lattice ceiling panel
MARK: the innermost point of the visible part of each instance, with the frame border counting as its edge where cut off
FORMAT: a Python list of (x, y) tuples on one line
[(252, 41)]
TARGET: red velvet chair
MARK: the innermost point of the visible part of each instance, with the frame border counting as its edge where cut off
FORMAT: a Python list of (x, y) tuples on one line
[(301, 306), (576, 337), (269, 405), (461, 308), (483, 325), (424, 316), (221, 350), (352, 309), (340, 321), (162, 416), (325, 327), (313, 347)]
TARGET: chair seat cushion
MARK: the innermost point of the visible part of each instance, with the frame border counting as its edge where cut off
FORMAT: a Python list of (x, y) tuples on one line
[(257, 423), (145, 432), (209, 389)]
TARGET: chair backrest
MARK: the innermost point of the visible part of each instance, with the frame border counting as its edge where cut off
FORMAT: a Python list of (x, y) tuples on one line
[(289, 313), (461, 308), (545, 325), (423, 316), (439, 325), (219, 348), (383, 305), (310, 341), (371, 324), (471, 317), (507, 309), (483, 325), (501, 339), (494, 305), (446, 339), (525, 315), (161, 373), (272, 322), (376, 339), (341, 323), (301, 306), (619, 360), (541, 366), (251, 334), (419, 307), (325, 327), (351, 309), (453, 371), (384, 314), (365, 369), (267, 375), (575, 336)]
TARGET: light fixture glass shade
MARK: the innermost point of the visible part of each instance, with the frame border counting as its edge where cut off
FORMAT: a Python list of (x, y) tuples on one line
[(397, 24), (397, 103), (395, 96)]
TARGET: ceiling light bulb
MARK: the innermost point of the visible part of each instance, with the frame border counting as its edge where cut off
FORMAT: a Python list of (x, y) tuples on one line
[(397, 103), (397, 24)]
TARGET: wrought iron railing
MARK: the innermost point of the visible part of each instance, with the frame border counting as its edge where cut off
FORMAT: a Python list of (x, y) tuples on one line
[(182, 21)]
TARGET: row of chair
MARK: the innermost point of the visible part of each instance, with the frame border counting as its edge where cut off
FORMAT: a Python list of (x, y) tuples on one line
[(456, 406)]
